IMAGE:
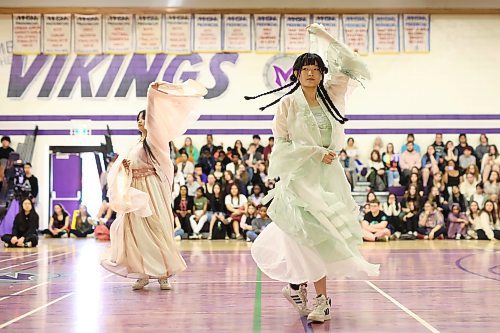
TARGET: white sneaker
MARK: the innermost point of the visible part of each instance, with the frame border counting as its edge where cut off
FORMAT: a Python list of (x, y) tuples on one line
[(321, 310), (139, 284), (164, 284), (410, 233), (458, 237), (298, 298), (177, 238), (398, 234), (415, 233)]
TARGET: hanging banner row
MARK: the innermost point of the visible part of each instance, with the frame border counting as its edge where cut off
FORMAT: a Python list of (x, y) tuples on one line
[(186, 33)]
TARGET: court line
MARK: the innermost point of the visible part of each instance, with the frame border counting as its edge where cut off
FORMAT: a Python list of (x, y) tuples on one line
[(459, 264), (32, 254), (404, 308), (257, 308), (29, 262), (22, 291)]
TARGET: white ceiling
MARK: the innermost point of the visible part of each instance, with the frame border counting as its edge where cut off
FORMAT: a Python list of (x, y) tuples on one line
[(207, 4)]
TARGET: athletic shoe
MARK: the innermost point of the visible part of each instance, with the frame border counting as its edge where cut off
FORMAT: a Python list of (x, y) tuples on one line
[(239, 237), (209, 237), (28, 244), (177, 238), (398, 234), (164, 284), (321, 309), (141, 283), (298, 298), (458, 237), (415, 233)]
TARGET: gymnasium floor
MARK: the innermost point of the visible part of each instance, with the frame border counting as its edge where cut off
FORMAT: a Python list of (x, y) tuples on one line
[(440, 286)]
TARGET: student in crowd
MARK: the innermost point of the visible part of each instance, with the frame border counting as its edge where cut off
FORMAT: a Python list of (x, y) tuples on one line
[(410, 218), (218, 171), (409, 158), (376, 177), (411, 194), (208, 188), (431, 223), (178, 231), (185, 166), (256, 196), (450, 152), (206, 161), (246, 223), (183, 208), (391, 159), (466, 159), (191, 185), (482, 148), (378, 144), (416, 181), (236, 205), (375, 224), (479, 196), (198, 219), (392, 209), (58, 224), (468, 186), (457, 221), (84, 223), (5, 149), (191, 150), (349, 166), (429, 164), (256, 142), (251, 158), (235, 163), (268, 149), (238, 149), (258, 224), (410, 138), (260, 176), (32, 180), (217, 210), (243, 178), (437, 199), (489, 227), (491, 161), (473, 220), (24, 231), (439, 145), (199, 176), (371, 197), (451, 176), (230, 180), (209, 145), (491, 185), (462, 145), (474, 170), (457, 198)]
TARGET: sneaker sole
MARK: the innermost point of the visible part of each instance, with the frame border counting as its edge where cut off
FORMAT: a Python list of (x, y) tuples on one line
[(289, 298), (139, 287), (165, 287), (319, 319)]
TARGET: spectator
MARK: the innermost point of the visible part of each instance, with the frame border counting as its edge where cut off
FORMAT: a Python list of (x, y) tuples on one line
[(260, 176), (191, 185), (450, 152), (438, 200), (184, 208), (218, 171), (235, 162), (410, 219), (474, 170), (409, 159), (349, 168), (236, 204), (84, 225), (457, 198), (392, 209), (439, 145), (244, 179), (468, 186), (479, 196), (416, 181), (466, 159), (258, 224), (473, 220), (179, 177), (209, 145), (217, 210), (411, 194), (431, 223), (256, 196), (378, 145), (451, 176), (391, 160), (376, 177), (58, 224), (491, 185), (462, 144), (31, 183), (256, 142), (269, 148), (238, 148), (374, 224), (246, 223), (457, 223), (482, 148), (371, 197), (185, 166), (208, 187), (198, 219), (251, 158), (230, 180), (199, 176), (24, 231), (178, 231), (489, 228), (206, 161), (491, 161), (429, 165), (363, 212), (192, 152), (174, 152), (5, 149), (410, 138), (224, 158)]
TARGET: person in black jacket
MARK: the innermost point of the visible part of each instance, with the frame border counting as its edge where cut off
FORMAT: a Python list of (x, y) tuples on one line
[(24, 232)]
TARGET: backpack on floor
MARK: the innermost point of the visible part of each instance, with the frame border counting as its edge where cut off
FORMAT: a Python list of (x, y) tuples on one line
[(101, 233), (219, 231)]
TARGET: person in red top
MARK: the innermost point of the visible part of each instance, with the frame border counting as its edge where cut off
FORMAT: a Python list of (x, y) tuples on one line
[(269, 148)]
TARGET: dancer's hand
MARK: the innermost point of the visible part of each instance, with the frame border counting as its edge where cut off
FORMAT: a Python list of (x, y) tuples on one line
[(126, 164), (328, 158)]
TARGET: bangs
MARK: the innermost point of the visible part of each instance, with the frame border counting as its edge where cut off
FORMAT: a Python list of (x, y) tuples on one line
[(308, 59)]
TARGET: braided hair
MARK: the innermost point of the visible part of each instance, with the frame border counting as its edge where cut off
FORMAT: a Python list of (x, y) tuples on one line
[(306, 59), (145, 144)]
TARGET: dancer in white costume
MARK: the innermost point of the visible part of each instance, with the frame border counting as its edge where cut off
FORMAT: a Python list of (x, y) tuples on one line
[(315, 233), (140, 189)]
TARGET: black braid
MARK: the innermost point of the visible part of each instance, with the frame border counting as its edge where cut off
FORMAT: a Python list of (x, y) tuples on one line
[(270, 92), (323, 94), (279, 99)]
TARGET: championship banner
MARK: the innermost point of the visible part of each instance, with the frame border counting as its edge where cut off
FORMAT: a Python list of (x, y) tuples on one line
[(356, 32), (237, 33), (416, 36), (26, 30), (148, 33), (178, 39), (88, 34), (56, 33), (385, 33), (296, 35), (267, 33), (118, 33), (207, 33), (330, 22)]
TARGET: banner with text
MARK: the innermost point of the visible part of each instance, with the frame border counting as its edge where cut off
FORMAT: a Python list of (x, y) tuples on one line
[(296, 35), (88, 34), (386, 33), (207, 33), (237, 33), (178, 39), (356, 32), (118, 33), (148, 33), (57, 33), (267, 33), (26, 32), (330, 22), (417, 29)]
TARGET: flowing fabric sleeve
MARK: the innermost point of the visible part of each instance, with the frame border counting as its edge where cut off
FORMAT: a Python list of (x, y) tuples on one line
[(288, 154)]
